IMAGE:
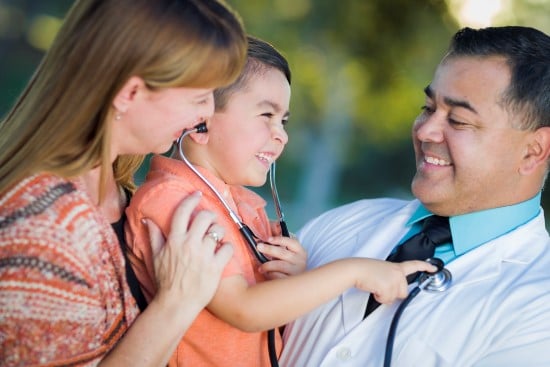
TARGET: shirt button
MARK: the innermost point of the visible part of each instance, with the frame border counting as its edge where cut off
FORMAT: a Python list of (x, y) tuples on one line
[(343, 354)]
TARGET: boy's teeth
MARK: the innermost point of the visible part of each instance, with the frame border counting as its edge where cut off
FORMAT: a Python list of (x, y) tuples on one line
[(264, 157), (437, 162)]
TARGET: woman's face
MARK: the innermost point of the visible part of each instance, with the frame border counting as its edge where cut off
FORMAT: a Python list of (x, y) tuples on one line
[(154, 119)]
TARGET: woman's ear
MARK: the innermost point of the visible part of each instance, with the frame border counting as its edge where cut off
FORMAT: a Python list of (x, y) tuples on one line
[(537, 152), (127, 94)]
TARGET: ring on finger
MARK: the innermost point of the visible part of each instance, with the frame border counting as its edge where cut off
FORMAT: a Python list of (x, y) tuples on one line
[(213, 235)]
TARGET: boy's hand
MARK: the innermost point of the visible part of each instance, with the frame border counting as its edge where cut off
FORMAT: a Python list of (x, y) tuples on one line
[(288, 257), (387, 281)]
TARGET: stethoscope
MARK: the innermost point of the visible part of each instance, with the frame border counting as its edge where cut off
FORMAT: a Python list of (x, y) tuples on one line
[(246, 232), (438, 281)]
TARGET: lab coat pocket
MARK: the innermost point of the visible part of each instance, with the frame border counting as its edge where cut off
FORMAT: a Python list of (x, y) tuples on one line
[(416, 352)]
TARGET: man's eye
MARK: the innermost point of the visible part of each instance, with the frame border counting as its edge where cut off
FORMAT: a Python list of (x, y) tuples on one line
[(456, 123), (427, 109)]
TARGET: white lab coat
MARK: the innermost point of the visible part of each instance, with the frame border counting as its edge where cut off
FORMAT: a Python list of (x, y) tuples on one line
[(496, 313)]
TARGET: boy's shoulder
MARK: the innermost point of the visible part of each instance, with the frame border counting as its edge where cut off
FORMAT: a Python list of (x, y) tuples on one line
[(165, 176)]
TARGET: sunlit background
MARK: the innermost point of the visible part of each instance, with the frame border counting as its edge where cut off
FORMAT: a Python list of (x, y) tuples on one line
[(359, 68)]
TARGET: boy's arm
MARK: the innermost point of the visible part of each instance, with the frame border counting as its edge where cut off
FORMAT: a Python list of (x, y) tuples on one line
[(273, 303)]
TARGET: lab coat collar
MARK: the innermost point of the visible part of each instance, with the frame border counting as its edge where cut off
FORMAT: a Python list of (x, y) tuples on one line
[(464, 269), (473, 229)]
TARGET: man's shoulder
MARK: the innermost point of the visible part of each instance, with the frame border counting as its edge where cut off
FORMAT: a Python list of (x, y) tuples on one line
[(362, 210), (343, 224)]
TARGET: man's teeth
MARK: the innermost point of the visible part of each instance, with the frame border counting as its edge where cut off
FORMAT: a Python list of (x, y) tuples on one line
[(437, 162), (264, 157)]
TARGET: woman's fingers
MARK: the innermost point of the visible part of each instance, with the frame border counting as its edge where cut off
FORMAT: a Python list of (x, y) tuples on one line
[(182, 215), (156, 238), (188, 265)]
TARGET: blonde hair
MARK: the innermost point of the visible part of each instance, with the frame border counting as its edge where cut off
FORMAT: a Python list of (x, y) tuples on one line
[(58, 124)]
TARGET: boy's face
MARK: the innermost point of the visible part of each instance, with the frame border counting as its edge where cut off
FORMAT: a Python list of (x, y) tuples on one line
[(249, 134)]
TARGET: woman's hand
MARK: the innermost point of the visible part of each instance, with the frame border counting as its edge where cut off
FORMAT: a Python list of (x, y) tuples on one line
[(288, 257), (187, 266)]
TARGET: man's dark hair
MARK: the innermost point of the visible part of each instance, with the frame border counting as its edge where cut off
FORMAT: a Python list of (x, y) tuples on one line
[(527, 53)]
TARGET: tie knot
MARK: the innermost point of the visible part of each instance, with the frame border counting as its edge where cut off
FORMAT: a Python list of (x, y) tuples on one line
[(437, 229)]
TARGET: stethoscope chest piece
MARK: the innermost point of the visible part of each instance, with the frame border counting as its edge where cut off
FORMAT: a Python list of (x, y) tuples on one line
[(441, 281)]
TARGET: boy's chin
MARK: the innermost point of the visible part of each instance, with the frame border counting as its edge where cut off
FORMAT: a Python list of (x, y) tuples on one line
[(257, 182)]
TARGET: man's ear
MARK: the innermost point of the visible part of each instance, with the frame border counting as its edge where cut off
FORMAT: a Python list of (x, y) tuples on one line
[(127, 94), (537, 152)]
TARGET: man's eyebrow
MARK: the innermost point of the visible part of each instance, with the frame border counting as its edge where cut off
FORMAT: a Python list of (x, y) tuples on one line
[(451, 101)]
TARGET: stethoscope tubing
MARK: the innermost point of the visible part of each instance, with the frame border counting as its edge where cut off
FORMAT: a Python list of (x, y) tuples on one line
[(243, 228), (431, 282)]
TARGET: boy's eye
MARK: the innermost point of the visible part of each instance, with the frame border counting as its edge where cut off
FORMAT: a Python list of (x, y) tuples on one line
[(284, 122), (267, 114)]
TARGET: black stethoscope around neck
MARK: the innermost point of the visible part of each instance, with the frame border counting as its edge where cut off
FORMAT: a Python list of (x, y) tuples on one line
[(438, 281), (246, 232)]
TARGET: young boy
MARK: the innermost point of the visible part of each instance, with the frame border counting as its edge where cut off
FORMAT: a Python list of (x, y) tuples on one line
[(245, 135)]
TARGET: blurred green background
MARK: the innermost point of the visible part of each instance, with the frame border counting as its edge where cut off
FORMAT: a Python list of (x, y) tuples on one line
[(359, 68)]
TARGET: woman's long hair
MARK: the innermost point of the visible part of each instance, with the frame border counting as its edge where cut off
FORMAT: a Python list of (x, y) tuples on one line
[(59, 123)]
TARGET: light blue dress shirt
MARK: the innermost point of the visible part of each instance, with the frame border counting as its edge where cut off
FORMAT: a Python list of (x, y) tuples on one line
[(473, 229)]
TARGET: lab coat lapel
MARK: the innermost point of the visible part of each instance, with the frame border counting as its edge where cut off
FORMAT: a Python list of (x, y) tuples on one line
[(465, 269), (505, 248), (374, 244)]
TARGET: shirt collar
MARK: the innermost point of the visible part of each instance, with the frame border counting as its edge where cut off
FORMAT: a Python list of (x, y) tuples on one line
[(473, 229), (232, 194)]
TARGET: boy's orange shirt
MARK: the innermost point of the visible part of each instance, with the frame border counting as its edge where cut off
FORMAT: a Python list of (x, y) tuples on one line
[(209, 341)]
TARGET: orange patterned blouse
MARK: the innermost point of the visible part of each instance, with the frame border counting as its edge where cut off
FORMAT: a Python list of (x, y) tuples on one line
[(64, 300)]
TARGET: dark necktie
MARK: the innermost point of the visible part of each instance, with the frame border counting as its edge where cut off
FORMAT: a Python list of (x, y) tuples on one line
[(435, 231)]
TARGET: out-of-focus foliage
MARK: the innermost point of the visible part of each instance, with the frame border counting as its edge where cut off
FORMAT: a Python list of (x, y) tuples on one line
[(359, 67), (26, 31)]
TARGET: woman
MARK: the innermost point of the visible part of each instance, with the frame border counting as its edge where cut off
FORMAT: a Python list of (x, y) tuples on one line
[(123, 78)]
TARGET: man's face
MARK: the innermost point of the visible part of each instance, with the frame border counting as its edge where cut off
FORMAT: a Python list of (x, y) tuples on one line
[(467, 152)]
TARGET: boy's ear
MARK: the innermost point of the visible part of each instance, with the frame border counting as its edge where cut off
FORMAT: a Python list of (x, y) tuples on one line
[(127, 94), (199, 138), (537, 152)]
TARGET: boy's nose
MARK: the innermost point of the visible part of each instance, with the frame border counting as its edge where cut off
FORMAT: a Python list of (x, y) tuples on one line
[(280, 134)]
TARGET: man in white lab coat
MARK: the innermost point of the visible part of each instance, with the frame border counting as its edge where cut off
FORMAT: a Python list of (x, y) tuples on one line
[(482, 144)]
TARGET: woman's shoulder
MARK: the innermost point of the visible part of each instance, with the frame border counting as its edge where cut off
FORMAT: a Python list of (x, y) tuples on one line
[(35, 195), (46, 208)]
